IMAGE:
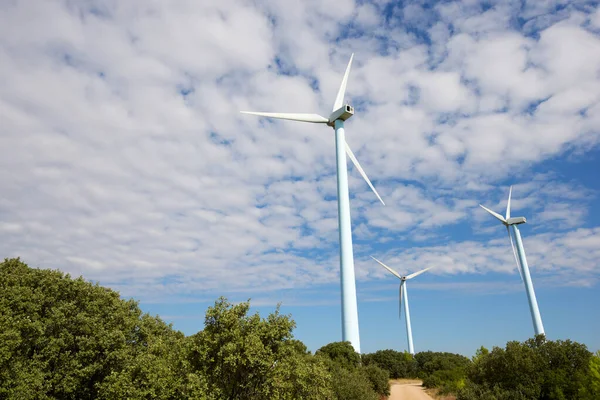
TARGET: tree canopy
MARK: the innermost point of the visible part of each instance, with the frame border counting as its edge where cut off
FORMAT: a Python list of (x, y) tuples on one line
[(534, 369), (65, 338)]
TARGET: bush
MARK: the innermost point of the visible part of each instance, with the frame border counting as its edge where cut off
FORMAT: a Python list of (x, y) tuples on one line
[(247, 357), (448, 381), (398, 364), (342, 353), (429, 362), (534, 369), (351, 380), (351, 384), (63, 338), (70, 339), (472, 391), (379, 378)]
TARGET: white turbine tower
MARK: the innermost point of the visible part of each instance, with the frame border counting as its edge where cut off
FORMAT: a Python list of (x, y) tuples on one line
[(521, 261), (341, 112), (404, 293)]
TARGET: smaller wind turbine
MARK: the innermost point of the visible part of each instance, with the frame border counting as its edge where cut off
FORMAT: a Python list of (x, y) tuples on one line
[(404, 292), (521, 261)]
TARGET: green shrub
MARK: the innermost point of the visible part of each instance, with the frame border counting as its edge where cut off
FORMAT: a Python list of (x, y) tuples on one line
[(351, 384), (398, 364), (379, 378), (428, 362), (534, 369), (342, 353)]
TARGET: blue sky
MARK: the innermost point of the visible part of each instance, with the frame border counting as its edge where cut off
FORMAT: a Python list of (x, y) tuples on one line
[(127, 160)]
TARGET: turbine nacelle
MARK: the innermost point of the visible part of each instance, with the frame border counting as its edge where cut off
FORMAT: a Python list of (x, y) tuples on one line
[(515, 221), (342, 113)]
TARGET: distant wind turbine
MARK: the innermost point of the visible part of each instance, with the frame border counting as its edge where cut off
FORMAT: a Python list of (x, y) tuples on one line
[(336, 120), (404, 293), (521, 261)]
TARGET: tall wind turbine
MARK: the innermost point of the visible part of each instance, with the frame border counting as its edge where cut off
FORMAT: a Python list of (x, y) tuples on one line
[(521, 261), (404, 293), (341, 112)]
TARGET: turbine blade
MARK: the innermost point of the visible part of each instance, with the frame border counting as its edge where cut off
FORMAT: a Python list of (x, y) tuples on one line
[(508, 204), (512, 244), (362, 172), (339, 100), (315, 118), (400, 302), (495, 214), (388, 268), (417, 273)]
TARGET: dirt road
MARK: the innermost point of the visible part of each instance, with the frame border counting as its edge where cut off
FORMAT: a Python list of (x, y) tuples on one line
[(408, 391)]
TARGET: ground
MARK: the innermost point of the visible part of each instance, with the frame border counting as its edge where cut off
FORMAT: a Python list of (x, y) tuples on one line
[(405, 389)]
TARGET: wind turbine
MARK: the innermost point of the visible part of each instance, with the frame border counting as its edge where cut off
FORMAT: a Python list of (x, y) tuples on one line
[(404, 293), (340, 113), (521, 261)]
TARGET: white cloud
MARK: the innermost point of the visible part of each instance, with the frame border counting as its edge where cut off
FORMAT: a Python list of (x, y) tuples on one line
[(127, 159), (549, 255)]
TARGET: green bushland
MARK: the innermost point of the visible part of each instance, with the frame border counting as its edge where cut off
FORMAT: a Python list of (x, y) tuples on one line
[(534, 369), (398, 364), (350, 379), (445, 371), (537, 369), (65, 338)]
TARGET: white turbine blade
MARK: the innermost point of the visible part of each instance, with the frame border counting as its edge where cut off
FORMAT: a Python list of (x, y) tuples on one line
[(388, 268), (495, 214), (362, 172), (512, 244), (400, 302), (417, 273), (339, 100), (315, 118), (508, 204)]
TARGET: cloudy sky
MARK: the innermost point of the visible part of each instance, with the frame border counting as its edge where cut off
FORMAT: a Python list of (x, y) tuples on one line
[(125, 158)]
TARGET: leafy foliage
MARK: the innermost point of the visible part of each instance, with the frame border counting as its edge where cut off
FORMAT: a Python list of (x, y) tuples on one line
[(379, 378), (70, 339), (445, 371), (351, 384), (534, 369), (351, 380), (592, 388), (342, 353), (246, 357), (428, 362), (398, 364), (66, 338)]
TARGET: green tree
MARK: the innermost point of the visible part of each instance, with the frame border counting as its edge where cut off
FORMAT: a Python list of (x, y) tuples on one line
[(158, 368), (398, 364), (429, 362), (351, 383), (379, 378), (69, 339), (301, 376), (246, 357), (591, 390), (534, 369), (342, 353)]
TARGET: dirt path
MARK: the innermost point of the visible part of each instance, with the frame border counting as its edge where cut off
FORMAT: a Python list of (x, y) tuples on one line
[(408, 391)]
